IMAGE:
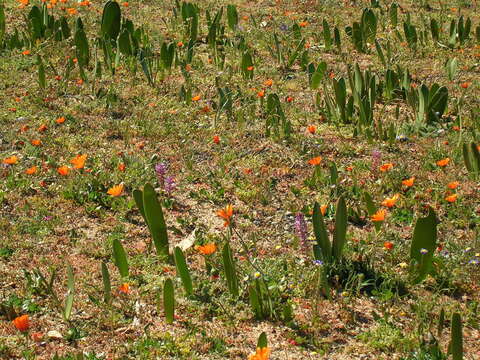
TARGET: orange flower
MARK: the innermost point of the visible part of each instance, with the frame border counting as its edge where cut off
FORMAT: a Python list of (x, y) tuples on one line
[(23, 3), (79, 82), (42, 128), (465, 85), (250, 68), (21, 323), (60, 120), (226, 214), (180, 44), (268, 82), (443, 162), (71, 11), (289, 99), (390, 202), (36, 142), (408, 182), (323, 209), (124, 288), (315, 161), (386, 167), (207, 249), (26, 52), (116, 190), (63, 170), (261, 93), (453, 185), (260, 354), (121, 167), (303, 24), (312, 129), (31, 171), (451, 198), (216, 139), (379, 216), (196, 98), (125, 4), (388, 245), (12, 160), (78, 161)]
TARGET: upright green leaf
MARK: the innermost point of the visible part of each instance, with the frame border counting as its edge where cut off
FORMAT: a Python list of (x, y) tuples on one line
[(120, 257), (107, 287), (81, 48), (230, 271), (182, 270), (423, 244), (111, 19), (2, 24), (393, 14), (320, 232), (155, 219), (169, 301), (340, 231), (232, 16), (70, 293), (456, 342), (262, 341)]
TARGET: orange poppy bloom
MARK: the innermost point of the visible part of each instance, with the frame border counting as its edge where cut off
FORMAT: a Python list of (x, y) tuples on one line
[(443, 162), (408, 182), (60, 120), (390, 202), (180, 44), (216, 139), (125, 4), (26, 52), (42, 128), (455, 128), (226, 214), (323, 209), (379, 216), (207, 249), (315, 161), (12, 160), (116, 190), (465, 85), (124, 288), (121, 167), (21, 322), (260, 354), (303, 24), (453, 185), (451, 198), (36, 142), (312, 129), (31, 171), (388, 245), (24, 128), (250, 68), (63, 170), (386, 167), (261, 93), (196, 98), (71, 11), (268, 82), (289, 99), (78, 161)]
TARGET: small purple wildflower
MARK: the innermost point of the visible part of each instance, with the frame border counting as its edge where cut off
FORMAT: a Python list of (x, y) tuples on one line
[(301, 229), (318, 262), (284, 27), (170, 184), (161, 170), (48, 218), (474, 262), (423, 251), (376, 159)]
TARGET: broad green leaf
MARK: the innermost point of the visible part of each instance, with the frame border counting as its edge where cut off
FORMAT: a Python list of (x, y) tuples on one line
[(424, 238), (155, 219), (120, 258), (320, 231), (340, 231), (182, 270), (230, 271), (456, 342), (262, 341), (107, 287), (111, 19), (232, 16), (169, 301)]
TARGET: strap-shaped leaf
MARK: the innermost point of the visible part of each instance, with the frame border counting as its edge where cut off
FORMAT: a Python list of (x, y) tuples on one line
[(182, 270), (340, 231), (320, 231), (169, 301), (424, 238), (120, 257), (155, 219)]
